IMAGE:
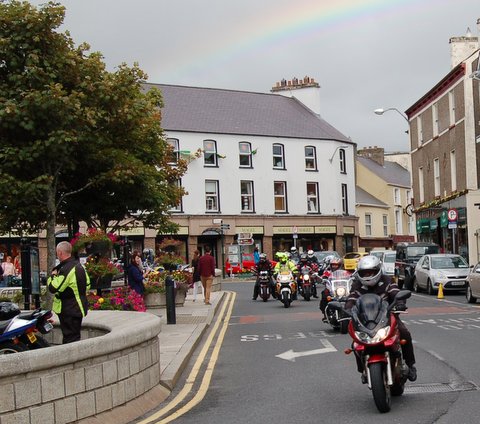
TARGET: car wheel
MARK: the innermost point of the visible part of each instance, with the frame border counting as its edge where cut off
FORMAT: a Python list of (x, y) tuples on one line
[(470, 297), (416, 287), (430, 290)]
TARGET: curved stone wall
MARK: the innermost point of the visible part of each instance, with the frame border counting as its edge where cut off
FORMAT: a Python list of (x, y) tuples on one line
[(116, 361)]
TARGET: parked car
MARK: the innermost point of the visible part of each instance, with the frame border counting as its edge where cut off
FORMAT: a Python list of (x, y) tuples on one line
[(350, 260), (450, 270), (387, 257), (247, 263), (473, 284), (408, 255), (322, 254)]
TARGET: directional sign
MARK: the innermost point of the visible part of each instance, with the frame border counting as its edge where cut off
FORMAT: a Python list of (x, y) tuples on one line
[(290, 355), (452, 215)]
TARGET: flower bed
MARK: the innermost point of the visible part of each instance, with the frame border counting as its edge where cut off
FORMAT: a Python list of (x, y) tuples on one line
[(119, 299)]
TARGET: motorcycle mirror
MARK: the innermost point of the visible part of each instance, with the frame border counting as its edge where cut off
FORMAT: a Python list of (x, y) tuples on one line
[(403, 294)]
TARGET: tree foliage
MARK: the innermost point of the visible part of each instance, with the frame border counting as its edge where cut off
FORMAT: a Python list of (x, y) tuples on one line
[(76, 141)]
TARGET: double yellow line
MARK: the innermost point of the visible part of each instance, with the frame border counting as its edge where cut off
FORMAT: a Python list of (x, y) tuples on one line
[(224, 317)]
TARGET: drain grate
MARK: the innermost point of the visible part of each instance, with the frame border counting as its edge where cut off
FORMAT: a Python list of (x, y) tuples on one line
[(464, 386)]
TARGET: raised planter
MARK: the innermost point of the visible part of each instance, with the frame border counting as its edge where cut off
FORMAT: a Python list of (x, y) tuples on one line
[(159, 300)]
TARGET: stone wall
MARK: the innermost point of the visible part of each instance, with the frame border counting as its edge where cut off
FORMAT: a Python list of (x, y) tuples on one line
[(117, 360)]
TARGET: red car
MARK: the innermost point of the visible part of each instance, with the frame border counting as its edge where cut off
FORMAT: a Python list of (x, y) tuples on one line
[(247, 264)]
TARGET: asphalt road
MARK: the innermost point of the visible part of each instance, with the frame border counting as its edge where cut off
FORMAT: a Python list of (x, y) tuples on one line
[(280, 365)]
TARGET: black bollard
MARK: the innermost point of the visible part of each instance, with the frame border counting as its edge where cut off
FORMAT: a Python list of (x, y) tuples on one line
[(170, 299)]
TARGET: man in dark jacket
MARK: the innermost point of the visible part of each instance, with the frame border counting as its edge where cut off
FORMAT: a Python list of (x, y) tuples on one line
[(369, 278), (206, 269), (69, 282)]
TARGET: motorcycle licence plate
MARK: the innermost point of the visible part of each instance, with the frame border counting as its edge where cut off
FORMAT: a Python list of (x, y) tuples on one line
[(32, 337), (47, 327)]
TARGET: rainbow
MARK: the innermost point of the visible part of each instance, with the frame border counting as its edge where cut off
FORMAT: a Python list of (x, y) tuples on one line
[(300, 22)]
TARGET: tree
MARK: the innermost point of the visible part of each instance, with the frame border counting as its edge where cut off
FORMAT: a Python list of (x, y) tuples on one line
[(76, 141)]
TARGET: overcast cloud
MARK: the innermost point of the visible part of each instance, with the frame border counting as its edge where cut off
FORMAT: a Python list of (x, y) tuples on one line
[(365, 54)]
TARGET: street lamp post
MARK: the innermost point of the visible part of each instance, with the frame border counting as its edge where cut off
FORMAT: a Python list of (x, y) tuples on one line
[(335, 151), (382, 111)]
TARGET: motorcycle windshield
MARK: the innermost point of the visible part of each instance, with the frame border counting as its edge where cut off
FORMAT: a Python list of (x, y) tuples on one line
[(370, 313), (340, 275)]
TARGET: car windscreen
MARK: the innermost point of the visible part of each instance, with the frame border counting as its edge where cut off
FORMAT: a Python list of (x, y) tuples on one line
[(417, 251), (379, 254), (448, 262), (389, 258), (352, 256)]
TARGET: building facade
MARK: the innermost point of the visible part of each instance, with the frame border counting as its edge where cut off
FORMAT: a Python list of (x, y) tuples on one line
[(445, 153), (385, 217)]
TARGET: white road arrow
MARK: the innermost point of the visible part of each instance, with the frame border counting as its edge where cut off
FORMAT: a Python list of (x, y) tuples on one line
[(290, 355)]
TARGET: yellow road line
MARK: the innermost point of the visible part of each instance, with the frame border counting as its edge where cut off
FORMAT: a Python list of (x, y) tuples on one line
[(196, 368), (208, 372)]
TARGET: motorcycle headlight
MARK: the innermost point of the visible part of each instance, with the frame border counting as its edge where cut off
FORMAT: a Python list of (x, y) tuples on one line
[(341, 292), (381, 335), (306, 278)]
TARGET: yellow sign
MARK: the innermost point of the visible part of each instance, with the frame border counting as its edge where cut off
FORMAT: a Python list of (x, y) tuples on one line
[(182, 231), (290, 230), (135, 231), (325, 229), (348, 230), (252, 230)]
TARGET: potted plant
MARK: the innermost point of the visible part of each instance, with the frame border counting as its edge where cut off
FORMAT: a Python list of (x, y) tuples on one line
[(155, 289), (101, 271), (94, 241), (119, 299), (169, 260)]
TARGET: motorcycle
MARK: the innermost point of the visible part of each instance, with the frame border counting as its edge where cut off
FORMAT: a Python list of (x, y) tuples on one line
[(377, 343), (337, 288), (286, 288), (264, 281), (19, 330), (305, 282)]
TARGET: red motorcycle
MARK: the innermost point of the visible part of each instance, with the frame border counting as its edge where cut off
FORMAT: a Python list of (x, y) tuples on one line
[(377, 345)]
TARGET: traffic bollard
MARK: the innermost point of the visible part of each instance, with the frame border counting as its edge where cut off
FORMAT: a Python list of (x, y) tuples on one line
[(170, 299)]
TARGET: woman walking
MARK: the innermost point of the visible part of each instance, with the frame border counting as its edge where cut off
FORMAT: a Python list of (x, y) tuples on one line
[(197, 282)]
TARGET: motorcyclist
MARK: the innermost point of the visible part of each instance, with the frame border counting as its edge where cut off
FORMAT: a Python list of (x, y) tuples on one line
[(263, 265), (294, 255), (312, 259), (369, 278), (334, 264), (313, 265), (285, 264)]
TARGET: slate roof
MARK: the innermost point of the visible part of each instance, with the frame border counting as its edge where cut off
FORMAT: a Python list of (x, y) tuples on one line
[(220, 111), (391, 172), (365, 198)]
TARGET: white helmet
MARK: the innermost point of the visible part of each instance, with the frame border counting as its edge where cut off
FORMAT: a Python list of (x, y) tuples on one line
[(293, 249), (369, 270), (310, 253)]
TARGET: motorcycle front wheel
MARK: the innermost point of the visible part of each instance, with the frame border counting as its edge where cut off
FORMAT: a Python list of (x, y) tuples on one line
[(285, 300), (307, 293), (380, 388)]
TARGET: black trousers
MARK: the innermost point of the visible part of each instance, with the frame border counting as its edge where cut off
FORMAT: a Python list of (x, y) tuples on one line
[(70, 326)]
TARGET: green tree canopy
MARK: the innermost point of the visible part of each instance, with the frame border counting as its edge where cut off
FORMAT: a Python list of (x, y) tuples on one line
[(75, 140)]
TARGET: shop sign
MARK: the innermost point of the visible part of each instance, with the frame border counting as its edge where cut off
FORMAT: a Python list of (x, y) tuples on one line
[(325, 229), (253, 230), (182, 231), (423, 225), (348, 230), (289, 230), (135, 231)]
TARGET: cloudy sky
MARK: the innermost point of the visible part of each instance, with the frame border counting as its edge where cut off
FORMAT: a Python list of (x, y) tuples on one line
[(366, 54)]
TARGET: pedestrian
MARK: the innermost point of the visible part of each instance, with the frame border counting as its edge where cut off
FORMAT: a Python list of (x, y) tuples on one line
[(256, 256), (197, 282), (135, 273), (206, 269), (69, 282), (8, 270)]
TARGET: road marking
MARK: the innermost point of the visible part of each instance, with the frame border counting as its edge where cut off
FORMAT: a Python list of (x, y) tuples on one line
[(290, 355), (187, 388)]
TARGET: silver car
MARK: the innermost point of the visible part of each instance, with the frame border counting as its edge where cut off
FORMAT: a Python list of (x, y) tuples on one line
[(388, 262), (473, 285), (441, 268)]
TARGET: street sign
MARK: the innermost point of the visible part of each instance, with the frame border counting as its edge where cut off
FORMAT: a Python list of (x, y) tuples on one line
[(224, 226), (452, 215), (452, 225), (245, 242), (294, 229), (217, 220), (244, 236)]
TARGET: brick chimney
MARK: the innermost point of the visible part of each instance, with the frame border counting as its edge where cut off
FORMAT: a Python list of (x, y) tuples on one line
[(305, 90), (375, 153)]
